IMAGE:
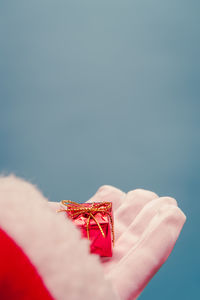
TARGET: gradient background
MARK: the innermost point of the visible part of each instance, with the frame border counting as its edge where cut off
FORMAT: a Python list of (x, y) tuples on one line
[(107, 92)]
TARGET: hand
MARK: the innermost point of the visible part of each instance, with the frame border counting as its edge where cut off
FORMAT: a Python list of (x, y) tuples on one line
[(146, 230)]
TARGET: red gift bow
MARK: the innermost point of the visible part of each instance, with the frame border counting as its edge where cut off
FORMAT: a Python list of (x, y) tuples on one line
[(79, 208)]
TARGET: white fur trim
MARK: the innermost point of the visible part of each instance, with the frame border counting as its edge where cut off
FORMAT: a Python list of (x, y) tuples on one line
[(52, 243)]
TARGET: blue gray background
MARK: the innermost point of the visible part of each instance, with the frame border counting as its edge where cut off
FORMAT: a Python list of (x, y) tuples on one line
[(107, 92)]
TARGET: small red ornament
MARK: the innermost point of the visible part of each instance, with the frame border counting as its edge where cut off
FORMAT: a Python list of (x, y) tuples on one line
[(95, 220)]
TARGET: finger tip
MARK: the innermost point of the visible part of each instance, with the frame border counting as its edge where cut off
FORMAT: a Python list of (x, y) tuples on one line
[(169, 200), (142, 193)]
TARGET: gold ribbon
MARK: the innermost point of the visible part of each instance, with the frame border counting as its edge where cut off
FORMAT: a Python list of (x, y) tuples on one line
[(79, 208)]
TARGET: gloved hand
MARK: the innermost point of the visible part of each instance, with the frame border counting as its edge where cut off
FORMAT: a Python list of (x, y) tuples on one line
[(146, 229)]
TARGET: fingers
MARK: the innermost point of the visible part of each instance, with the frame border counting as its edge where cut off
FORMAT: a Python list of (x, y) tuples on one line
[(143, 260), (142, 220), (133, 203), (136, 229), (109, 193)]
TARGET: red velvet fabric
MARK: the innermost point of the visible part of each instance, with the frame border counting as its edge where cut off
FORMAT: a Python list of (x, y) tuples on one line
[(19, 279)]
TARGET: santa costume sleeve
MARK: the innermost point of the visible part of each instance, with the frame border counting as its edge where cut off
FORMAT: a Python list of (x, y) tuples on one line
[(42, 256)]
